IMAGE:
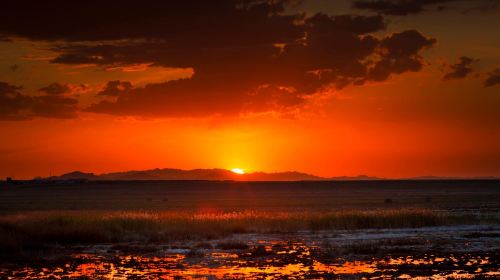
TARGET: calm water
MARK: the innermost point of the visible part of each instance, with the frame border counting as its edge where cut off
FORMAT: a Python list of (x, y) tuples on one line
[(265, 260)]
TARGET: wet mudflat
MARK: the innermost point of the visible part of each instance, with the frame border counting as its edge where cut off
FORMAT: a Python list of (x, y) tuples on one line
[(439, 253), (294, 266), (251, 230)]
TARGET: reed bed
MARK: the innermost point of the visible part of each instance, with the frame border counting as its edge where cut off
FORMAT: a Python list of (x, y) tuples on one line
[(35, 230)]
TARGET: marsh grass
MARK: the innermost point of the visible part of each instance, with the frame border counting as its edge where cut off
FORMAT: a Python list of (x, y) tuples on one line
[(232, 245), (38, 230)]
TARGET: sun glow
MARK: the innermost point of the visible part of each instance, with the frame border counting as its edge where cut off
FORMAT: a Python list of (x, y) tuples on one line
[(238, 171)]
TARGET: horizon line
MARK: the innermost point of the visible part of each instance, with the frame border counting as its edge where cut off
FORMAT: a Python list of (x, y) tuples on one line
[(319, 178)]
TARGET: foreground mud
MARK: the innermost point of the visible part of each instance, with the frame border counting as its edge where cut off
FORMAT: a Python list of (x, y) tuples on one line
[(428, 253)]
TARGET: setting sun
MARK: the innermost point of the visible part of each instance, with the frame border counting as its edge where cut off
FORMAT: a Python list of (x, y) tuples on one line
[(238, 171)]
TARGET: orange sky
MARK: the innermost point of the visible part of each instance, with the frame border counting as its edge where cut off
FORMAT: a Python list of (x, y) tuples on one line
[(241, 111)]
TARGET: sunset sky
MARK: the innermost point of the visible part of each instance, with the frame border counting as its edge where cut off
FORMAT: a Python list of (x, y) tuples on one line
[(332, 88)]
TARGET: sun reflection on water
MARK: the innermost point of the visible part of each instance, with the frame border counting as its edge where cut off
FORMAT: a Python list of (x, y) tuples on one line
[(264, 260)]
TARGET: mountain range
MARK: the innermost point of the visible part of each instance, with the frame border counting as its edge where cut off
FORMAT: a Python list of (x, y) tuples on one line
[(201, 174)]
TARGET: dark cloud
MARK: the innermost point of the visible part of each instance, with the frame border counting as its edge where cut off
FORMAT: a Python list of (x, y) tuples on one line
[(193, 98), (7, 89), (493, 78), (484, 7), (115, 88), (246, 55), (396, 7), (50, 106), (461, 69), (406, 7), (55, 89), (281, 82), (186, 21), (17, 106), (400, 53), (63, 89), (12, 102), (14, 67), (252, 79)]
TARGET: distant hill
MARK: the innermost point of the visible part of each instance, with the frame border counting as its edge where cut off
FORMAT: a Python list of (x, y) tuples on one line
[(218, 174), (355, 178), (194, 174), (76, 175)]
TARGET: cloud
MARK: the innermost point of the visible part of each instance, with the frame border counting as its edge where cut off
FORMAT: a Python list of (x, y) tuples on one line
[(62, 89), (188, 98), (400, 53), (461, 69), (17, 106), (14, 67), (12, 102), (486, 6), (115, 88), (396, 7), (187, 21), (406, 7), (246, 55), (59, 107), (4, 38), (493, 78), (55, 89), (254, 81), (280, 82)]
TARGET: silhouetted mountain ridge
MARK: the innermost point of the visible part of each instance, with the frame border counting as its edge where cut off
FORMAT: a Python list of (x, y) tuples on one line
[(218, 174), (194, 174), (76, 175)]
